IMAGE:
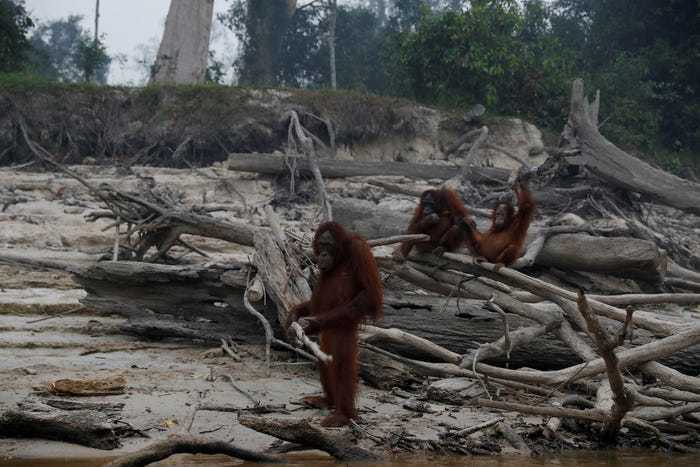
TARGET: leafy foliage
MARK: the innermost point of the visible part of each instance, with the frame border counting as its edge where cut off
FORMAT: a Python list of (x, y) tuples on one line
[(14, 26), (260, 26), (64, 51)]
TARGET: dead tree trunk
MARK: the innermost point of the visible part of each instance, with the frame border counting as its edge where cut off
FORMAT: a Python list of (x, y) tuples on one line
[(272, 165), (629, 257), (184, 48), (332, 17), (82, 427), (616, 166)]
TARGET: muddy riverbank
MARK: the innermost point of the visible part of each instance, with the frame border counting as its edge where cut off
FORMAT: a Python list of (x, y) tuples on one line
[(44, 337)]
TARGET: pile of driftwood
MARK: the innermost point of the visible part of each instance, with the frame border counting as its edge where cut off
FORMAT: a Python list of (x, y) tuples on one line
[(554, 335)]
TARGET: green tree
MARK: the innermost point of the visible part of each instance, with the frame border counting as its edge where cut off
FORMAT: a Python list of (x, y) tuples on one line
[(64, 51), (358, 47), (302, 63), (643, 54), (14, 26), (496, 52), (260, 26)]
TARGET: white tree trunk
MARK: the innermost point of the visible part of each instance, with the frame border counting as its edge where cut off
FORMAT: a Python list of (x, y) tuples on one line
[(182, 56), (333, 12), (97, 21)]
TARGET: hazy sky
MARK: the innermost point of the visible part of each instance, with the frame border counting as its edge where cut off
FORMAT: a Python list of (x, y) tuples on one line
[(132, 29)]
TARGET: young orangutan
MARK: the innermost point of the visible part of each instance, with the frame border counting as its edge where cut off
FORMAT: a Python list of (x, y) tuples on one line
[(503, 242), (349, 291), (438, 214)]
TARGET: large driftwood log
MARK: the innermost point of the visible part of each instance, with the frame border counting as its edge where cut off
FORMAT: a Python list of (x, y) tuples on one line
[(279, 270), (368, 219), (302, 432), (189, 445), (619, 168), (628, 257), (162, 300), (461, 325), (383, 372), (622, 256), (84, 427), (191, 297), (272, 164), (206, 303)]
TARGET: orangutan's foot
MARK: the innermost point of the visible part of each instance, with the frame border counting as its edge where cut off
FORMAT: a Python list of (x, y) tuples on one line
[(335, 420), (317, 402), (497, 267)]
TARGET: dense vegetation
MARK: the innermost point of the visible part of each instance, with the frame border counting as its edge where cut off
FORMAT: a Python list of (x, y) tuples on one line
[(514, 57), (60, 50)]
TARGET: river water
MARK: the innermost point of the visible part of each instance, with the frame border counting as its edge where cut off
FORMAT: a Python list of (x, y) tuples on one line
[(571, 459)]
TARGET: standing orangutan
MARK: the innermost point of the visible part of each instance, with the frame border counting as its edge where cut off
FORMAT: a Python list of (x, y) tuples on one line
[(503, 242), (348, 292), (438, 214)]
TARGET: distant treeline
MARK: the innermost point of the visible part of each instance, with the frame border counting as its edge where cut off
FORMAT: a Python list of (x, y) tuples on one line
[(515, 57)]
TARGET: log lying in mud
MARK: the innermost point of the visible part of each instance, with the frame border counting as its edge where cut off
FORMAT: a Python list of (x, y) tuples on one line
[(302, 432), (622, 256), (205, 303), (189, 445), (162, 301), (368, 219), (205, 300), (181, 297), (85, 427), (272, 164)]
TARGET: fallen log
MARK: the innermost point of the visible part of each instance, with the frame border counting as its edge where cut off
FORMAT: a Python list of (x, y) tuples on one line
[(454, 391), (188, 445), (178, 297), (368, 219), (304, 433), (206, 303), (196, 301), (621, 401), (272, 164), (382, 372), (620, 256), (617, 167), (84, 427)]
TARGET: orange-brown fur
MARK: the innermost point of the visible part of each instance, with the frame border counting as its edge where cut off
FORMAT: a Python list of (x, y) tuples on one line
[(443, 234), (505, 245), (346, 295)]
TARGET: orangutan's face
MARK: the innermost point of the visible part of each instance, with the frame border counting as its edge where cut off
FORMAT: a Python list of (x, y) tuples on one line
[(428, 203), (500, 216), (327, 251)]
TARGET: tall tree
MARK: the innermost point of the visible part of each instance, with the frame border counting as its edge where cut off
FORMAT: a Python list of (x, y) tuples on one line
[(184, 48), (261, 26), (332, 19), (91, 53), (63, 50), (14, 26), (97, 20)]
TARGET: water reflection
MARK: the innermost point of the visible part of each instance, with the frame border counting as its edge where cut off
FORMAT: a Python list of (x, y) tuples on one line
[(572, 459)]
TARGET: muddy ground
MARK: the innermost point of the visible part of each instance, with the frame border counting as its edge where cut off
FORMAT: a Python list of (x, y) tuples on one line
[(166, 379)]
